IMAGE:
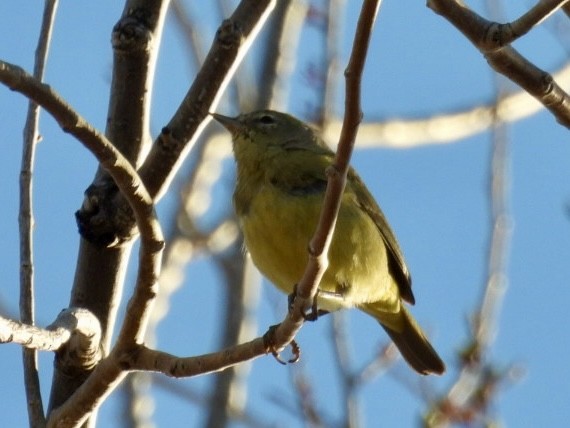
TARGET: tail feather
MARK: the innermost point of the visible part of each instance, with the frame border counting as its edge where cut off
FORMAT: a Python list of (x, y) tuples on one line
[(411, 341)]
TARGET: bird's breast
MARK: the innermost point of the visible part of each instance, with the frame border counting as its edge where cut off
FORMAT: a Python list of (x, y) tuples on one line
[(278, 227)]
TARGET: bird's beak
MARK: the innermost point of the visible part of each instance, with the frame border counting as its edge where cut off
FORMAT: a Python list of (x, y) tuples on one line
[(232, 124)]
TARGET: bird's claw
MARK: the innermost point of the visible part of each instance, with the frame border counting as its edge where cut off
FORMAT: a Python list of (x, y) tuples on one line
[(314, 312), (269, 341)]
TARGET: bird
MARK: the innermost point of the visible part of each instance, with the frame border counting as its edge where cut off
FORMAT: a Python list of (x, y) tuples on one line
[(279, 191)]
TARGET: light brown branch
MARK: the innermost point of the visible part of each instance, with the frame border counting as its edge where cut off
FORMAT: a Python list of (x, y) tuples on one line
[(75, 332), (152, 360), (505, 59), (285, 332), (30, 336), (36, 415)]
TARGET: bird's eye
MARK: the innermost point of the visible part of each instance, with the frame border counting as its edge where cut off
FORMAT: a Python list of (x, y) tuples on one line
[(266, 119)]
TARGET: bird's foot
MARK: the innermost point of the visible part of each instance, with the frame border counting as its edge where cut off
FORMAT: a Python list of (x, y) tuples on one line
[(314, 313), (269, 342)]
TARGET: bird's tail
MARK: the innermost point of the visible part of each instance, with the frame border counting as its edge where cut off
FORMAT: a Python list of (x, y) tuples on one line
[(409, 338)]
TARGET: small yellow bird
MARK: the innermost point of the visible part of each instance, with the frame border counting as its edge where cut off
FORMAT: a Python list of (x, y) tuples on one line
[(279, 193)]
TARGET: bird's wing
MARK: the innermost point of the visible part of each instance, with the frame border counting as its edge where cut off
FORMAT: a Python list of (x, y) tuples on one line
[(396, 260)]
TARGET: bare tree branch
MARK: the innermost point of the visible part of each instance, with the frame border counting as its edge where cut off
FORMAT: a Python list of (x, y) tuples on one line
[(26, 220), (505, 59), (152, 360), (320, 242), (75, 331)]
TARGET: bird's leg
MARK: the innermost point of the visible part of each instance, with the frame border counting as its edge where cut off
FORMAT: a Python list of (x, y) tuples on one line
[(315, 312)]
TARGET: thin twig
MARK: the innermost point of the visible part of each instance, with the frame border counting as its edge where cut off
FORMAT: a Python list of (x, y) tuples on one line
[(36, 415), (320, 242)]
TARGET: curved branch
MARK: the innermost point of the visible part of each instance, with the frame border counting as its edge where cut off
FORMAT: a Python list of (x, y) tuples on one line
[(131, 186), (71, 122)]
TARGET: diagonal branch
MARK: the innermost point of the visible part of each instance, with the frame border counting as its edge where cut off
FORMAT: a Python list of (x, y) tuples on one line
[(319, 244), (232, 41), (505, 59), (71, 122)]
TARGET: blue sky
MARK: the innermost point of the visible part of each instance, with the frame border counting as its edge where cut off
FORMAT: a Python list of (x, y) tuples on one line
[(435, 196)]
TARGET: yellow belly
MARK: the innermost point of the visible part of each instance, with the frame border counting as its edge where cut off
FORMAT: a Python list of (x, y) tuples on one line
[(277, 230)]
